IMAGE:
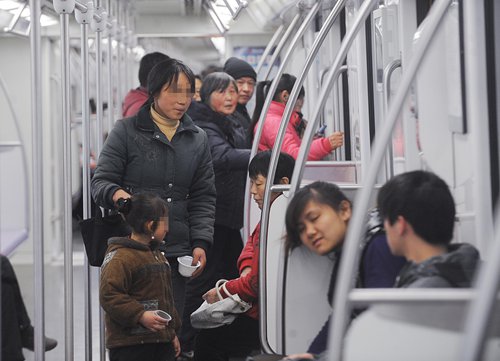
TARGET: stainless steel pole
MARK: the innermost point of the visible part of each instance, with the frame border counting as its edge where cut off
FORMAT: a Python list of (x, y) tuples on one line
[(37, 180)]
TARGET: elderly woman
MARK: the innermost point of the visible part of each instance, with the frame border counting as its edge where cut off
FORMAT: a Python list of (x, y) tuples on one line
[(161, 150), (219, 97)]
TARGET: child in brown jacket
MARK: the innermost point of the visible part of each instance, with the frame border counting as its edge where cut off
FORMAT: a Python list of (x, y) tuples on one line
[(136, 283)]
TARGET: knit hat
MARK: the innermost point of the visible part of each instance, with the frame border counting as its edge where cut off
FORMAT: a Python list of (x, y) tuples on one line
[(238, 68)]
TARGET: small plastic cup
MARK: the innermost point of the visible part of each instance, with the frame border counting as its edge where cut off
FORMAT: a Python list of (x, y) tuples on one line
[(163, 315), (185, 267)]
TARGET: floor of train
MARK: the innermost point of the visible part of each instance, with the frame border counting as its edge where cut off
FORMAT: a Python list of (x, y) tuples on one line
[(54, 303)]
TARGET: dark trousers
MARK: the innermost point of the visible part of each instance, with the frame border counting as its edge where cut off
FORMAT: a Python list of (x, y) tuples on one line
[(178, 285), (149, 352), (221, 263), (237, 339), (14, 315)]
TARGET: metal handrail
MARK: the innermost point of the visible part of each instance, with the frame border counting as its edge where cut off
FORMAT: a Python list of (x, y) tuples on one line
[(370, 296), (270, 177), (280, 136), (351, 246), (477, 112), (281, 44), (66, 167), (246, 205), (343, 68), (20, 143), (268, 48), (478, 318), (37, 180), (387, 77), (260, 125), (298, 171)]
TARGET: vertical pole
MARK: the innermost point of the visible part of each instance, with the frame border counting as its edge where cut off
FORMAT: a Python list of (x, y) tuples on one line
[(37, 182), (66, 136)]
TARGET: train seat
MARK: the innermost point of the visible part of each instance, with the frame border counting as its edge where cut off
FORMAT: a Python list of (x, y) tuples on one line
[(414, 331)]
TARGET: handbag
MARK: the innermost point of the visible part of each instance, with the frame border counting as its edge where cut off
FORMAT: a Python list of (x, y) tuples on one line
[(97, 230), (220, 313)]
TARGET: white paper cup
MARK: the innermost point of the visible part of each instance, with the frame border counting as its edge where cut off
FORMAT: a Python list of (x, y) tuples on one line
[(163, 315), (185, 267)]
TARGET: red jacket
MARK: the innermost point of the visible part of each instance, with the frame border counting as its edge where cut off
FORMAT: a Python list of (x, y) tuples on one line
[(133, 101), (247, 287), (320, 147)]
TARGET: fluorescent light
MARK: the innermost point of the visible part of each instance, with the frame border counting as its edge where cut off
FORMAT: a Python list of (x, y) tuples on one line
[(45, 20), (216, 20), (219, 44), (9, 5)]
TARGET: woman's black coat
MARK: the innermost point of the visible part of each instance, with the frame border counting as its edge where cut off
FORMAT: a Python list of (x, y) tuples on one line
[(230, 164), (137, 156)]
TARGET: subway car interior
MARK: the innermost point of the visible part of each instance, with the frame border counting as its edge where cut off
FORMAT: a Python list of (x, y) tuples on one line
[(412, 84)]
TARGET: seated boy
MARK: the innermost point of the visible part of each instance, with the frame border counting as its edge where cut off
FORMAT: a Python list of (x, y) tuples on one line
[(419, 214), (242, 336)]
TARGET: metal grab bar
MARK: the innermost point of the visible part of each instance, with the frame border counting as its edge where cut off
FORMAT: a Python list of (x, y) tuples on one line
[(387, 77), (338, 124), (298, 171), (268, 48), (20, 143), (370, 296), (351, 246), (318, 41), (66, 167), (37, 180), (281, 44), (477, 111), (255, 145), (483, 303), (270, 177)]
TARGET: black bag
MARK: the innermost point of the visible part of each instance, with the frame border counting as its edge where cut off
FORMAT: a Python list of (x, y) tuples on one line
[(97, 230)]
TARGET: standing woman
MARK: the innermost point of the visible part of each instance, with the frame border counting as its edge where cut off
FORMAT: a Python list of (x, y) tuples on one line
[(219, 97), (160, 150), (320, 147)]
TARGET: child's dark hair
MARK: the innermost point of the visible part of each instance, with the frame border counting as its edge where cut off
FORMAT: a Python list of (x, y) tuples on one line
[(166, 73), (286, 82), (142, 208), (424, 200), (320, 192), (259, 165)]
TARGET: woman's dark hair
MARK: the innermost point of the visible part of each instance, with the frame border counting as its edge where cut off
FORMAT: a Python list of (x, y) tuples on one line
[(286, 82), (217, 81), (166, 73), (147, 63), (142, 208), (259, 165), (320, 192)]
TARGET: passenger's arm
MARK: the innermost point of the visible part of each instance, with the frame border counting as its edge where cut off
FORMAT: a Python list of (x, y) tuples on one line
[(320, 147), (114, 296), (108, 176), (224, 155), (201, 202), (380, 267)]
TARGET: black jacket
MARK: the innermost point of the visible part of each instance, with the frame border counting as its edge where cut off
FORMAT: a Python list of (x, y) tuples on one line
[(138, 157), (230, 164), (241, 122), (455, 268)]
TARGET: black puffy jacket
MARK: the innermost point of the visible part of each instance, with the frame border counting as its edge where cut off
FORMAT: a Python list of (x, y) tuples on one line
[(230, 164), (137, 156)]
